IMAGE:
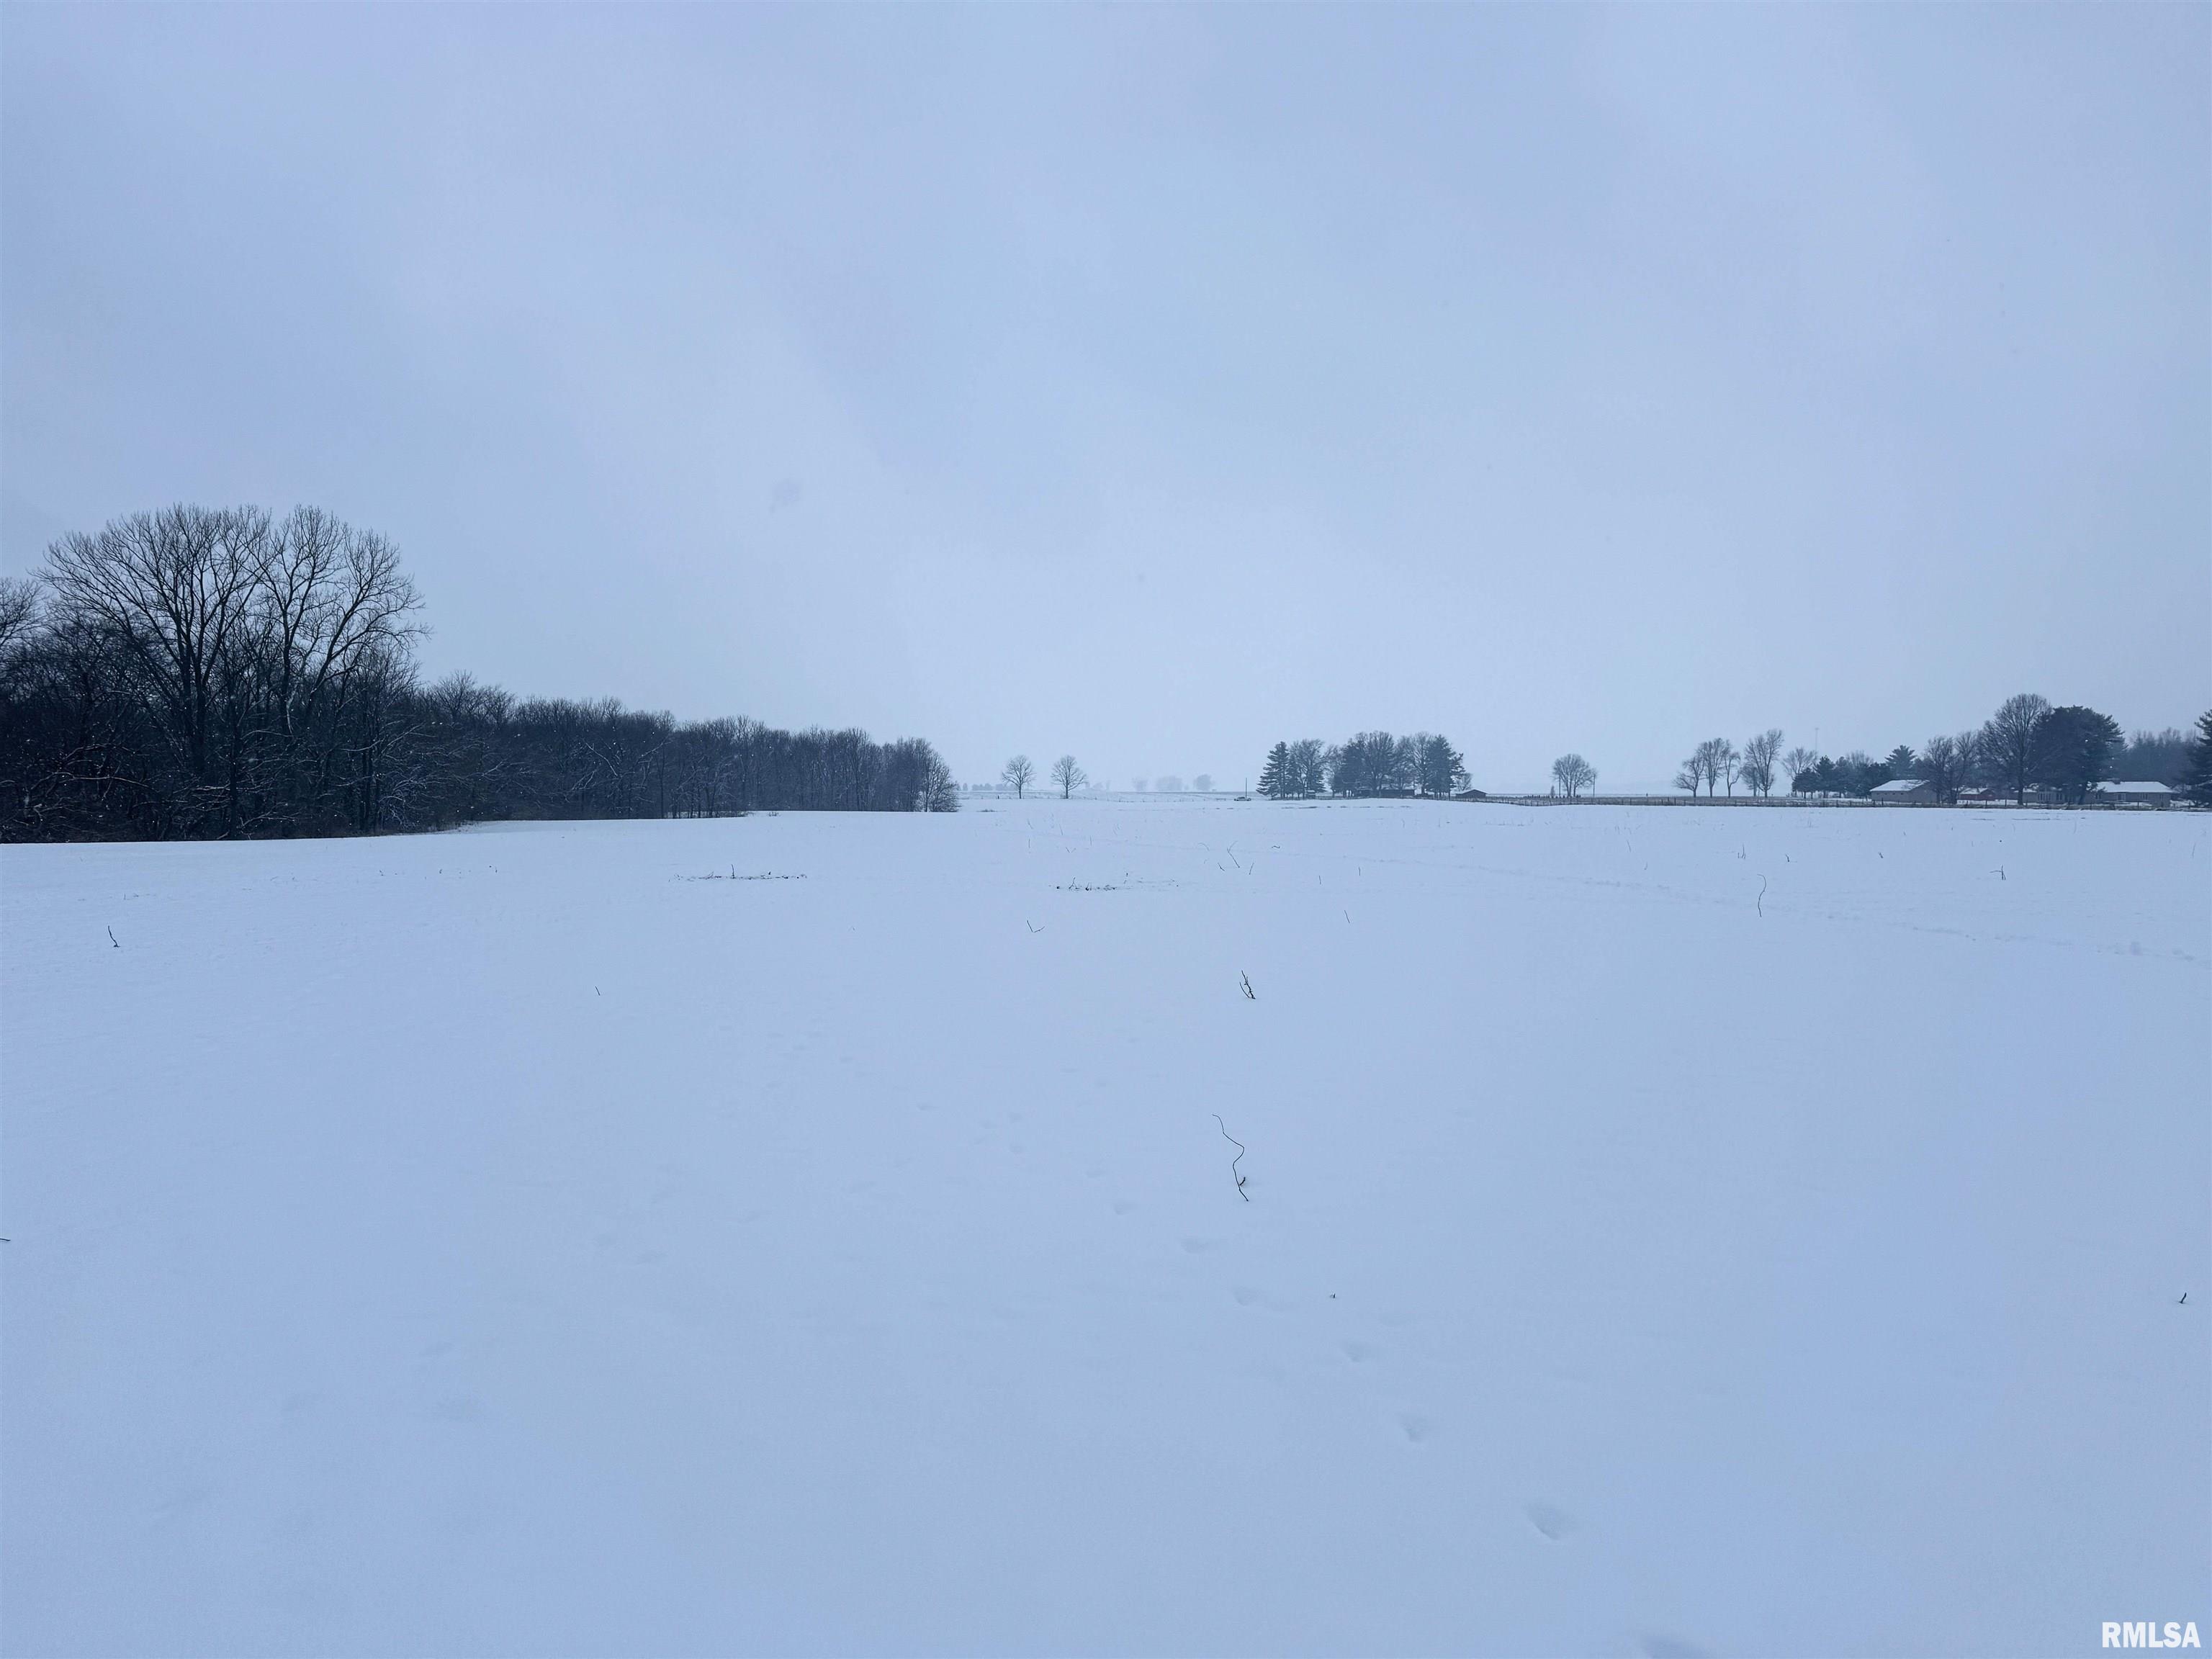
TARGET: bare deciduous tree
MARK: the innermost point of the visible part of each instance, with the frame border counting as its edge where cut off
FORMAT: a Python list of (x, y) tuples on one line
[(2006, 742), (939, 793), (19, 610), (170, 592), (1761, 757), (1947, 762), (1572, 775), (1714, 759), (1798, 761), (1068, 775), (1017, 772)]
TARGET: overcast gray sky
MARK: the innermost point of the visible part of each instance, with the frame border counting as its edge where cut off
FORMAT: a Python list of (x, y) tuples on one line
[(1154, 383)]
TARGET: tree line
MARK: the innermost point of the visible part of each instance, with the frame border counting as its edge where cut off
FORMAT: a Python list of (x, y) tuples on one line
[(1371, 763), (222, 672), (2028, 745)]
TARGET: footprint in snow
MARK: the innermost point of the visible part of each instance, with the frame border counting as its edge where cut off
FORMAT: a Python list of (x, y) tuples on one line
[(1194, 1245), (1552, 1521), (1245, 1295), (1417, 1428), (1655, 1646), (1357, 1351)]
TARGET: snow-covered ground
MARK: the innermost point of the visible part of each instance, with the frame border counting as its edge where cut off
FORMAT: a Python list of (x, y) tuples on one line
[(1668, 1231)]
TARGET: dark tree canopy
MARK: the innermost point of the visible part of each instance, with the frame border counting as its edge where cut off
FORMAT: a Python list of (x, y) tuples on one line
[(2072, 747), (1371, 763), (202, 673)]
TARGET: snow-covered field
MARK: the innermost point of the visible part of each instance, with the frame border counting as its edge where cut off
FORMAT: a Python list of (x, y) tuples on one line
[(1668, 1231)]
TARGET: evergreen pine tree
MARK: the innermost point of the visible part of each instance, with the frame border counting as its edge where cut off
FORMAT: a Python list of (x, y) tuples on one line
[(1441, 769), (2073, 750), (1275, 777), (2196, 780)]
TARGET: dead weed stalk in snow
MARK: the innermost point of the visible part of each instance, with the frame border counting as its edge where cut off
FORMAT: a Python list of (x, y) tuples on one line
[(1235, 1161)]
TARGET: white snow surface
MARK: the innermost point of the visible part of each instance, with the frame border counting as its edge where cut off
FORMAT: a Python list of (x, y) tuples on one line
[(1669, 1230)]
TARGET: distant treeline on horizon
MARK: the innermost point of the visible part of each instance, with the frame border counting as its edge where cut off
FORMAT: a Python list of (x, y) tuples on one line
[(2027, 749), (200, 673)]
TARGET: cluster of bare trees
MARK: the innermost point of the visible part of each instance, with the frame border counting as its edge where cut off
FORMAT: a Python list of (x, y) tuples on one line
[(1371, 763), (1716, 763), (1019, 773), (201, 672)]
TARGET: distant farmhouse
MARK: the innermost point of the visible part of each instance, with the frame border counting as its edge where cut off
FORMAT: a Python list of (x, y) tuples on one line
[(2129, 794), (1920, 791)]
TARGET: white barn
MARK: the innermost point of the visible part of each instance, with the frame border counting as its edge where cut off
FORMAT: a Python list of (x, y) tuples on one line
[(1905, 791)]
